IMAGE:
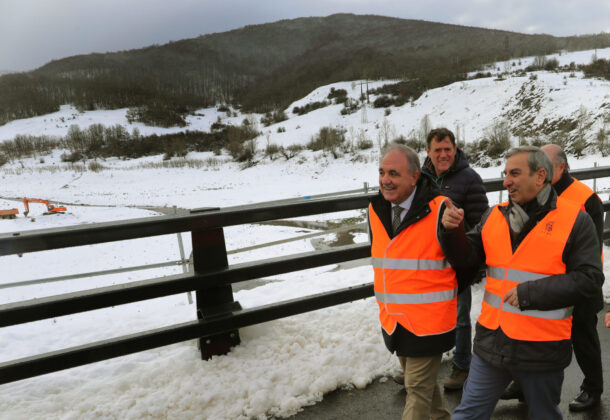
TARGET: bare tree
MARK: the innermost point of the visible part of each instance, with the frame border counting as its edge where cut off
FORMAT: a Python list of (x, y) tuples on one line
[(425, 126), (386, 133), (583, 119), (498, 137)]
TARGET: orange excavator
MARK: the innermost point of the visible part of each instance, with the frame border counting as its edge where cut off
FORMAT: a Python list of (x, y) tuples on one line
[(51, 209)]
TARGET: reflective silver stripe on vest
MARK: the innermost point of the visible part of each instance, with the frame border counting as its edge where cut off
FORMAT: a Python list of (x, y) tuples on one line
[(496, 302), (416, 298), (518, 276), (493, 300), (409, 264)]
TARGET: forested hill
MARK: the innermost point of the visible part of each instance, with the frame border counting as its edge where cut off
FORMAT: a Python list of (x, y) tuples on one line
[(264, 67)]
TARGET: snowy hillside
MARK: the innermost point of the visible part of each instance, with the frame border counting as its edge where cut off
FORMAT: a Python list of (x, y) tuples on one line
[(280, 366), (468, 107)]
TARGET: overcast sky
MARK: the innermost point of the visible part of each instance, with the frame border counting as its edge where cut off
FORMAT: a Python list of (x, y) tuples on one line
[(34, 32)]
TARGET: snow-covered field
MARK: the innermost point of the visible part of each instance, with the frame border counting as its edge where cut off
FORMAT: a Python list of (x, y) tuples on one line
[(280, 366)]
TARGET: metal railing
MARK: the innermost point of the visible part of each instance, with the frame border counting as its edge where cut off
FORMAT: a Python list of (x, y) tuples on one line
[(218, 316)]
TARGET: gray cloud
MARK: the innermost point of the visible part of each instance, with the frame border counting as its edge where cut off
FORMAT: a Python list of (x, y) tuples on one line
[(33, 32)]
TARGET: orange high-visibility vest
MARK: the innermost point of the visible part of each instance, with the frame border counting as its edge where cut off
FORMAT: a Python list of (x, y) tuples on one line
[(577, 192), (414, 283), (537, 256)]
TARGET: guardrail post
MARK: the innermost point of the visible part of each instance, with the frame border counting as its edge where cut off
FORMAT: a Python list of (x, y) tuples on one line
[(210, 252), (185, 267)]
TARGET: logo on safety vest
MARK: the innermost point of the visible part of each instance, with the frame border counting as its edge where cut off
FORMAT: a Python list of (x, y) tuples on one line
[(548, 228)]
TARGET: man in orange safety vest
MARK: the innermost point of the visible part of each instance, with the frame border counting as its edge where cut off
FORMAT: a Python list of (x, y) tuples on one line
[(542, 256), (415, 288)]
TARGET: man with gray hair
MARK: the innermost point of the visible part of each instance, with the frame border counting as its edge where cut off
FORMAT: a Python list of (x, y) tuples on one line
[(415, 287), (585, 339), (542, 258)]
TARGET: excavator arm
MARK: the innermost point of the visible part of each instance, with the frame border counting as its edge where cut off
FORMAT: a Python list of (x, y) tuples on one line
[(51, 209)]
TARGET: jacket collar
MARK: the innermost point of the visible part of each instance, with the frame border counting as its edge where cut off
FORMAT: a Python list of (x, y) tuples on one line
[(564, 182)]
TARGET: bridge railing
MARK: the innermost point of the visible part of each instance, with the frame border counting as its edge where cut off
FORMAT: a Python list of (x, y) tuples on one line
[(219, 317)]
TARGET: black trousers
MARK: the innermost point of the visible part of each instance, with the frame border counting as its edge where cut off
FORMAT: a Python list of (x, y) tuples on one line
[(587, 351)]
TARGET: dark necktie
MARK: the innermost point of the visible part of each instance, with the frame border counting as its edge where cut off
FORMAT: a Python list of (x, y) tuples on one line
[(396, 220)]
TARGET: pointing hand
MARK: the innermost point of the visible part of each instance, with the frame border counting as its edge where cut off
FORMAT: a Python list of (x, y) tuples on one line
[(452, 217)]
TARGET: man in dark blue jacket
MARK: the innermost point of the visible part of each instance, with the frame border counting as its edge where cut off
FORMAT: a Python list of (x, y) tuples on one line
[(448, 166)]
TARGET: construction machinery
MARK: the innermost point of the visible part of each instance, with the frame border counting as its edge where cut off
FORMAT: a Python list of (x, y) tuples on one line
[(8, 214), (51, 209)]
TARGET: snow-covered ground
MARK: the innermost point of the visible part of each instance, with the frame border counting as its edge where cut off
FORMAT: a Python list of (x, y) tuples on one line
[(563, 58), (281, 365)]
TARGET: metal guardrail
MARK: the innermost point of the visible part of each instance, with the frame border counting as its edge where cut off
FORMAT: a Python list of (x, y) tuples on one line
[(183, 262), (491, 184), (218, 315), (211, 280), (93, 274)]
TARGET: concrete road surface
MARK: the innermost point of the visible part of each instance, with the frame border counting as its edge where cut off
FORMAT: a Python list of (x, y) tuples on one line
[(384, 399)]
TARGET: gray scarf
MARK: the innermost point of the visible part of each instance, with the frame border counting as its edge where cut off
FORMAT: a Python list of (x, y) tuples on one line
[(518, 217)]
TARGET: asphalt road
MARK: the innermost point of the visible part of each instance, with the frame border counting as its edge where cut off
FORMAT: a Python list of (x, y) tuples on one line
[(384, 399)]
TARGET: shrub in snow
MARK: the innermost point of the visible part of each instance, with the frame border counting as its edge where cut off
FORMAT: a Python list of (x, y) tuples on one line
[(239, 152), (350, 106), (273, 117), (217, 126), (364, 144), (71, 157), (25, 145), (551, 64), (598, 68), (157, 115), (383, 101), (339, 95), (497, 139), (328, 139), (95, 166), (290, 151), (271, 150), (413, 142), (175, 147), (602, 142), (302, 110)]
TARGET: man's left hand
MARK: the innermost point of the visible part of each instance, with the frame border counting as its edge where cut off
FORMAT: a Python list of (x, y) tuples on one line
[(511, 298)]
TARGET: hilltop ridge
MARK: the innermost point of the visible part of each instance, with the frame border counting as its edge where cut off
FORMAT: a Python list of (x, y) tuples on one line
[(265, 67)]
